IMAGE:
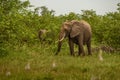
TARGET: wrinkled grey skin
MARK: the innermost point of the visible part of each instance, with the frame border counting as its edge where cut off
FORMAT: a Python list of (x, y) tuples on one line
[(78, 32)]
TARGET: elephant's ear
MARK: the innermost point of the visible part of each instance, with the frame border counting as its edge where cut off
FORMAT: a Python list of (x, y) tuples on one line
[(75, 31)]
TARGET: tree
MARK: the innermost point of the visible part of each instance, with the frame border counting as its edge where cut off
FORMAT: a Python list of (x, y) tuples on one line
[(118, 7)]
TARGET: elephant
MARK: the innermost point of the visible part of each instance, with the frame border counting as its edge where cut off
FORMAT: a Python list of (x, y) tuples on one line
[(77, 32), (42, 34)]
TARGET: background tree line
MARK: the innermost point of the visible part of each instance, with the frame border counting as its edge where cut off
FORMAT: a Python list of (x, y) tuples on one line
[(20, 25)]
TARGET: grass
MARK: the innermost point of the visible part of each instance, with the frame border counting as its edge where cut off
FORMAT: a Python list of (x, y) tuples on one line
[(45, 66)]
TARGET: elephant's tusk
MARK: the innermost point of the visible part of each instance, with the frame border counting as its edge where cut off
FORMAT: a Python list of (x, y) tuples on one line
[(62, 38)]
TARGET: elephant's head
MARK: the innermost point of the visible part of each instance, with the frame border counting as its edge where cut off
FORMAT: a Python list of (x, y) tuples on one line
[(65, 30), (68, 29), (71, 29)]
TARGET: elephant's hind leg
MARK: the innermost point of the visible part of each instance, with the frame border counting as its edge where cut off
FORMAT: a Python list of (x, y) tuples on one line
[(80, 46), (89, 47)]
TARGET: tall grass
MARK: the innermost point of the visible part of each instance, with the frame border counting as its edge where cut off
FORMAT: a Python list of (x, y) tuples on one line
[(45, 66)]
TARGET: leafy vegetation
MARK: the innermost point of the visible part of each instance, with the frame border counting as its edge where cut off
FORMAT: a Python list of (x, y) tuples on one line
[(45, 66), (19, 44)]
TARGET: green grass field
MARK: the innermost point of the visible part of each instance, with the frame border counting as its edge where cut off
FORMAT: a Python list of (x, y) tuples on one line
[(43, 65)]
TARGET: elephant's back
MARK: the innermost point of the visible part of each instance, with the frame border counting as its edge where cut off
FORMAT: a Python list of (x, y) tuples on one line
[(82, 24), (86, 25)]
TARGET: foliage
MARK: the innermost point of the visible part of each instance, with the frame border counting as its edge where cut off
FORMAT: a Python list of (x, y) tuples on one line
[(20, 25)]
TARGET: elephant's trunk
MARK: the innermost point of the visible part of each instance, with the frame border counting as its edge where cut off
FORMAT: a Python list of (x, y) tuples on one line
[(59, 47), (61, 38)]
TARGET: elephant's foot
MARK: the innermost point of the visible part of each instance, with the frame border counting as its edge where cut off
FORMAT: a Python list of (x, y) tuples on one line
[(83, 54), (72, 54)]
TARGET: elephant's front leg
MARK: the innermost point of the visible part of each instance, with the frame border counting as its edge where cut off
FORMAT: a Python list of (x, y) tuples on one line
[(71, 45)]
